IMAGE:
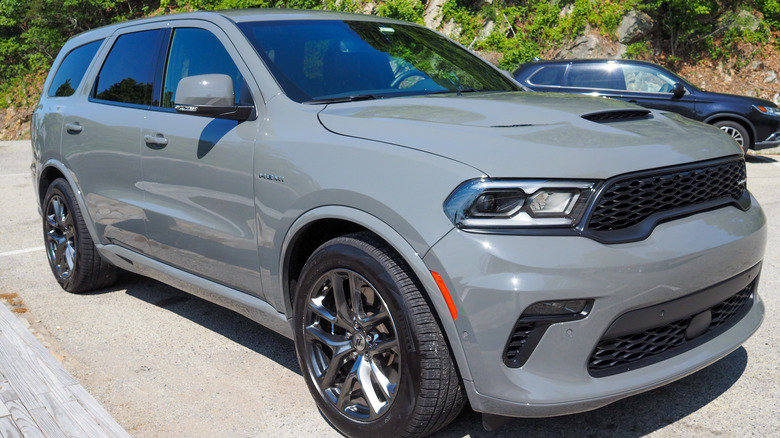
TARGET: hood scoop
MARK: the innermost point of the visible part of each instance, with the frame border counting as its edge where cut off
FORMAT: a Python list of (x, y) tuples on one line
[(618, 115)]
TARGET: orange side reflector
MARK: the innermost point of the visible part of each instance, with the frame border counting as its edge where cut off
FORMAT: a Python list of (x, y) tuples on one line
[(446, 293)]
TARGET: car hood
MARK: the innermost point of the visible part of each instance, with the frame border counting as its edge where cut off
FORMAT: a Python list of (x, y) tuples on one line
[(530, 135)]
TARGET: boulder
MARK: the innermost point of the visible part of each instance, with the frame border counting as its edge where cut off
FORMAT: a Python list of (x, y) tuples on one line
[(590, 45), (432, 15), (746, 21), (451, 29), (636, 26)]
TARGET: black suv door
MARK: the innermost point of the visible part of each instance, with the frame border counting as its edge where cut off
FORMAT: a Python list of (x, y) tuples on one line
[(653, 87)]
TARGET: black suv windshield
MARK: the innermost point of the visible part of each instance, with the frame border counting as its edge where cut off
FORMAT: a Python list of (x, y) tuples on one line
[(336, 61)]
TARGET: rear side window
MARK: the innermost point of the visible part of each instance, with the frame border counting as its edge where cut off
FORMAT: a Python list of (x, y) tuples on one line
[(602, 76), (197, 52), (127, 74), (72, 69), (550, 75)]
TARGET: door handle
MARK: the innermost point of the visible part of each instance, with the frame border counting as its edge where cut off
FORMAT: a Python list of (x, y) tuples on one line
[(155, 141), (73, 128)]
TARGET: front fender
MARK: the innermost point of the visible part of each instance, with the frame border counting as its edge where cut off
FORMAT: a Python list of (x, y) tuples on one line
[(412, 257)]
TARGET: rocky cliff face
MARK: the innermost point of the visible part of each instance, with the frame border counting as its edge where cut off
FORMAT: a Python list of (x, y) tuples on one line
[(15, 123), (758, 78)]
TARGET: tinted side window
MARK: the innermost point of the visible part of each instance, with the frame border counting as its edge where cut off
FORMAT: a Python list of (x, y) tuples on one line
[(197, 52), (127, 75), (593, 76), (72, 69), (647, 79), (550, 75)]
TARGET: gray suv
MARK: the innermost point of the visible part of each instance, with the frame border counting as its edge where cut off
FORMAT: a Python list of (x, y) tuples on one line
[(426, 232)]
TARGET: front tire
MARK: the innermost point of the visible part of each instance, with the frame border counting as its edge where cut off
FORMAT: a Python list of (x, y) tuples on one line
[(72, 255), (371, 351), (736, 131)]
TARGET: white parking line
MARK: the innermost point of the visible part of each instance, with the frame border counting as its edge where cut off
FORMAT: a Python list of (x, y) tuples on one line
[(16, 175), (21, 251)]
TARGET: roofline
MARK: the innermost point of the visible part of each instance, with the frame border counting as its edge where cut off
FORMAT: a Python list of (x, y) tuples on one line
[(232, 15)]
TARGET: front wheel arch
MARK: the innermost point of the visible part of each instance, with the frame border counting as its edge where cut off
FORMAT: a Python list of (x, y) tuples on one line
[(356, 220), (735, 118)]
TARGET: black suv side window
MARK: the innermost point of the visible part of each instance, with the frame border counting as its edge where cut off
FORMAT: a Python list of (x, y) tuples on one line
[(197, 52), (72, 69), (647, 79), (549, 75), (593, 76), (128, 72)]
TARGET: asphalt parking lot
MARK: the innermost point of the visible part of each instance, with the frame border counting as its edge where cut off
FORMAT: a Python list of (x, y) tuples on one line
[(164, 363)]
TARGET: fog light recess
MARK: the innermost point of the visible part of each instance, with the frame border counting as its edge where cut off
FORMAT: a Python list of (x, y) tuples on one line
[(533, 323)]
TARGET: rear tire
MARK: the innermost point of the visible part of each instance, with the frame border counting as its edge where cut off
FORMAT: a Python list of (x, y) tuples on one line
[(370, 349), (72, 255), (738, 132)]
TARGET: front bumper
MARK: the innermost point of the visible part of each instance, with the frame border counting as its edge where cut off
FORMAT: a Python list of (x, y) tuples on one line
[(770, 142), (494, 278)]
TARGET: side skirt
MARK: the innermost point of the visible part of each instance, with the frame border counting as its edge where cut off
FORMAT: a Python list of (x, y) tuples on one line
[(252, 307)]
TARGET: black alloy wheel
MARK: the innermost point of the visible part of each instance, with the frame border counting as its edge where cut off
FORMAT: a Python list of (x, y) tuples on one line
[(370, 349), (72, 255)]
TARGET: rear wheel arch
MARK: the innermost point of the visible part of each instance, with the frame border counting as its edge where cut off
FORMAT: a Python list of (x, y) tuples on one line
[(48, 176), (53, 170)]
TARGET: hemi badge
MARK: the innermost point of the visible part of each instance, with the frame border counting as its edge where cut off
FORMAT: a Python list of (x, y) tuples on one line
[(270, 177)]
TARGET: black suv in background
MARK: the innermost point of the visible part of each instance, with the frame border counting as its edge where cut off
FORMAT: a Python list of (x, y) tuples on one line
[(754, 123)]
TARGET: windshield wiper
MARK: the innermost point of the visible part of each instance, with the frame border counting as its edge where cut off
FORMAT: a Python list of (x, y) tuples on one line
[(459, 91), (353, 98)]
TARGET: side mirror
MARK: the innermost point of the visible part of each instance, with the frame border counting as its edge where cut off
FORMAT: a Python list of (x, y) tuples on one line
[(209, 96), (678, 90)]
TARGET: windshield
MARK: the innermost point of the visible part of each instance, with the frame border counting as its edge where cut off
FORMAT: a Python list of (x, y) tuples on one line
[(333, 60)]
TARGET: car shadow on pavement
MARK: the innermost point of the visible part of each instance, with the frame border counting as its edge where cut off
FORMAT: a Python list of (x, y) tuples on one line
[(631, 417), (750, 158), (227, 323)]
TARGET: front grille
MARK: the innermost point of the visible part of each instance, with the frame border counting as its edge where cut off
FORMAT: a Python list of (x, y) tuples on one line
[(629, 200), (617, 116), (636, 350)]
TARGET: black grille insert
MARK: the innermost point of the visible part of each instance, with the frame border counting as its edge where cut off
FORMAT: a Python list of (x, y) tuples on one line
[(629, 200), (517, 341), (636, 350), (529, 329)]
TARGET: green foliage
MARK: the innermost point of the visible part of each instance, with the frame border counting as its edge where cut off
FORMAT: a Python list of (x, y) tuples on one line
[(342, 5), (32, 31), (637, 50), (738, 30), (528, 28), (771, 11), (683, 22), (407, 10), (467, 15)]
